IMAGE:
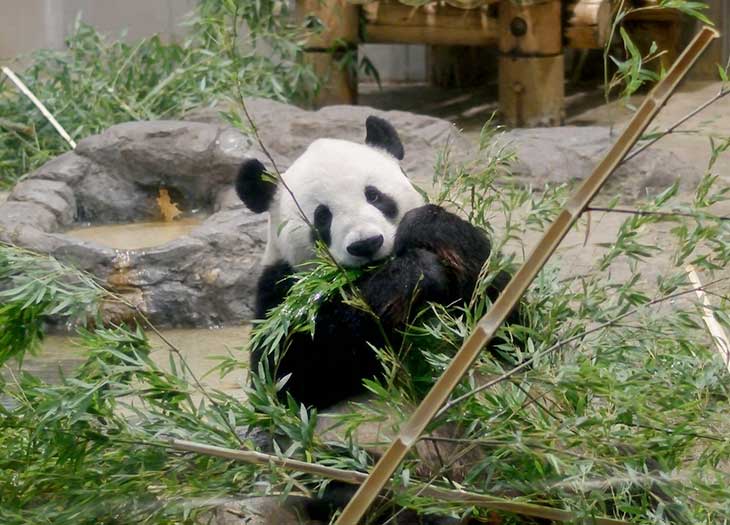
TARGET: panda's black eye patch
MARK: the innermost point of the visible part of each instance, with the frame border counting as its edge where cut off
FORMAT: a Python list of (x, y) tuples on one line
[(382, 201), (322, 224)]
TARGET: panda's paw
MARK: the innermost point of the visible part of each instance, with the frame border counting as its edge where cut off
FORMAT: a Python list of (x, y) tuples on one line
[(259, 439), (417, 274), (459, 245)]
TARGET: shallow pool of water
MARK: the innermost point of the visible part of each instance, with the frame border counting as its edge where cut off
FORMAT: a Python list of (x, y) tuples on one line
[(61, 355), (137, 235)]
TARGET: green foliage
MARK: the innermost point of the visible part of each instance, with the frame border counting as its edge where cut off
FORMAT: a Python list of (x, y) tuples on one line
[(95, 83), (624, 392), (34, 288), (632, 69), (88, 450)]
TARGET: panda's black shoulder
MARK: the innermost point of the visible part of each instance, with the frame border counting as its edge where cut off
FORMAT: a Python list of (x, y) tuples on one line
[(273, 285)]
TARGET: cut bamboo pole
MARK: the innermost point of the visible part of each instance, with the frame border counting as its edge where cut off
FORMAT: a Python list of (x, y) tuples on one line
[(718, 333), (356, 478), (511, 295), (43, 109)]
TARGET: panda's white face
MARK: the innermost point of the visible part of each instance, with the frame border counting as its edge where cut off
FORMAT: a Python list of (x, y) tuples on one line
[(354, 195)]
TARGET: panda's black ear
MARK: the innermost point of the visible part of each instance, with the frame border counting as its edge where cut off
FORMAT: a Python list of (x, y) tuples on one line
[(381, 134), (253, 189)]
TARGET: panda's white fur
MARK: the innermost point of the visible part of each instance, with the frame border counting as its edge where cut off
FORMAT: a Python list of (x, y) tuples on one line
[(335, 173)]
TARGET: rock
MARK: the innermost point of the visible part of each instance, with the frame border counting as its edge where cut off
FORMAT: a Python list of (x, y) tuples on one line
[(14, 214), (55, 196), (569, 153), (191, 159), (545, 155), (206, 278), (287, 131), (68, 168)]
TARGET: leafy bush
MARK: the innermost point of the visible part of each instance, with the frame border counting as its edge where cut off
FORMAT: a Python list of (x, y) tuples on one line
[(95, 83)]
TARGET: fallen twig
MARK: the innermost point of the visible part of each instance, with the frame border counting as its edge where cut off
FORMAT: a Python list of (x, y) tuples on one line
[(718, 333), (28, 93), (667, 214)]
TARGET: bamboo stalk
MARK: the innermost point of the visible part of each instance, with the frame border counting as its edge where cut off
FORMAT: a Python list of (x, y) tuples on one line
[(511, 295), (718, 333), (356, 478), (43, 109)]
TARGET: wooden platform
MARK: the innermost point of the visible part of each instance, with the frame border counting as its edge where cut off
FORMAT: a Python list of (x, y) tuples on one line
[(530, 37)]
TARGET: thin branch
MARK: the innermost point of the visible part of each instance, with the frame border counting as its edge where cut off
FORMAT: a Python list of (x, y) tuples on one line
[(525, 364), (277, 172), (357, 478), (178, 353), (43, 109), (720, 94), (257, 136), (667, 214)]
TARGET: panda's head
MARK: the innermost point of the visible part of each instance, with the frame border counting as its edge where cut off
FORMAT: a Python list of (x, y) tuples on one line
[(354, 195)]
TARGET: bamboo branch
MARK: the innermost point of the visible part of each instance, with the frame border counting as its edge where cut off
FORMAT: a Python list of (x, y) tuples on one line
[(28, 93), (718, 333), (722, 93), (666, 214), (356, 478), (519, 283), (525, 364)]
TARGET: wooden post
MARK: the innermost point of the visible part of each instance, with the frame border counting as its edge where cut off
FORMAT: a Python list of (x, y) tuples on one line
[(531, 64), (325, 50), (588, 23)]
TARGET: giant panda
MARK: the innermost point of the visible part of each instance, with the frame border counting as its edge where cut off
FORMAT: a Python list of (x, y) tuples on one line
[(359, 202)]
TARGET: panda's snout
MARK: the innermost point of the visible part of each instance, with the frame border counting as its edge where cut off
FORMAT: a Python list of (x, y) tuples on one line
[(366, 247)]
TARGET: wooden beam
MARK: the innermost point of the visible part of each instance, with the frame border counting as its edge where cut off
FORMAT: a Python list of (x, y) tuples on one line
[(532, 90), (531, 29), (339, 18), (588, 23), (390, 22)]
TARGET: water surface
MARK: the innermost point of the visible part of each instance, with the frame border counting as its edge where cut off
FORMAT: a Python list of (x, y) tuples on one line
[(137, 235), (61, 355)]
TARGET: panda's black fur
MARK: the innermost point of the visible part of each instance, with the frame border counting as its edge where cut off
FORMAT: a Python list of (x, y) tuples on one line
[(437, 258)]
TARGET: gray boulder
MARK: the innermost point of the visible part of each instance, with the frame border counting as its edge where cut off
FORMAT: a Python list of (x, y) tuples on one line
[(569, 153), (287, 131), (205, 278)]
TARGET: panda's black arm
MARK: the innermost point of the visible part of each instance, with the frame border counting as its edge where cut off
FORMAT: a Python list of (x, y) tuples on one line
[(437, 257), (272, 287)]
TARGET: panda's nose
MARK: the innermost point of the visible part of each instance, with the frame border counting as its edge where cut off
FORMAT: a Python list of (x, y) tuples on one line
[(366, 247)]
